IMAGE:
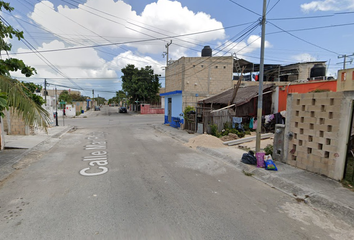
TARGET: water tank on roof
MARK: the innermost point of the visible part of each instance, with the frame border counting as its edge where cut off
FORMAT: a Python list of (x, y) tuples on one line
[(318, 70), (207, 52)]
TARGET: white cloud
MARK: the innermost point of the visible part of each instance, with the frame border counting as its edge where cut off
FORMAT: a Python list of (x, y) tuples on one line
[(74, 63), (123, 59), (304, 57), (241, 48), (122, 24), (328, 5)]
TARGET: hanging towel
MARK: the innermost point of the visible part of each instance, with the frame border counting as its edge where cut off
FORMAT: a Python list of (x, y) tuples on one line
[(251, 123), (255, 124)]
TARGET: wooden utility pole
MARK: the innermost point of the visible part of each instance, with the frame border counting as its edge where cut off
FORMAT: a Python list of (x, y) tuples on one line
[(236, 87)]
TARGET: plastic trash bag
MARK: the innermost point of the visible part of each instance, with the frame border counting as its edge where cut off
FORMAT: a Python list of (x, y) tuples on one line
[(269, 164), (249, 158)]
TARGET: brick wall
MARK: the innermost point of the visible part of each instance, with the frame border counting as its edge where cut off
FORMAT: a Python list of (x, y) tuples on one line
[(319, 124), (145, 109)]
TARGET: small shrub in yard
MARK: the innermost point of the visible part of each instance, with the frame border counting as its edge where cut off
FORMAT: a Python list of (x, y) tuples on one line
[(269, 149), (213, 129)]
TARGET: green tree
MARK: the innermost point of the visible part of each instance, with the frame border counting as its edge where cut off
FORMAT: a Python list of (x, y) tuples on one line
[(29, 110), (3, 103), (140, 85), (30, 88), (11, 64), (121, 96), (78, 97), (100, 100), (65, 96)]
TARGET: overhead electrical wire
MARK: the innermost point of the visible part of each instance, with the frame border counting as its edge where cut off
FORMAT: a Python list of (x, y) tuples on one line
[(137, 25), (30, 46), (313, 28), (116, 43), (310, 17), (308, 42), (248, 30), (268, 11), (241, 6)]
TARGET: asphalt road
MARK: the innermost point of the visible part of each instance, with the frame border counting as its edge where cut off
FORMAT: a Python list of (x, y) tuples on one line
[(116, 177)]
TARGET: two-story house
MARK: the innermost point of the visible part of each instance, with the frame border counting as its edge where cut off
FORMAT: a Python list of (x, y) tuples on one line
[(190, 79)]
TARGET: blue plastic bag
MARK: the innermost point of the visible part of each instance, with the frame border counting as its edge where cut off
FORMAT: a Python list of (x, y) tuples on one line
[(269, 164)]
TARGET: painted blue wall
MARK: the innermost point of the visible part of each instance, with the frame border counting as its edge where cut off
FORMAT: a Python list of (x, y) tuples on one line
[(177, 103)]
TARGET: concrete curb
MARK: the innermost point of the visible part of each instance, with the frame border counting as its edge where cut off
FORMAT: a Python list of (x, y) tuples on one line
[(301, 193), (8, 169), (174, 135)]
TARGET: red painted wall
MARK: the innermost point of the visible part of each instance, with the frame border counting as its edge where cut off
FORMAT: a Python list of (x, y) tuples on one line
[(145, 109), (304, 88)]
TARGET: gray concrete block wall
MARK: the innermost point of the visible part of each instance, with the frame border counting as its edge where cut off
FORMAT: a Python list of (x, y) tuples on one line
[(316, 122), (14, 123), (199, 76)]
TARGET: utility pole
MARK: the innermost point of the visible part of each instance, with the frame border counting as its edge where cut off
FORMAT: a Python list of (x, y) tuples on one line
[(261, 76), (45, 91), (345, 59), (93, 96), (166, 53), (56, 107)]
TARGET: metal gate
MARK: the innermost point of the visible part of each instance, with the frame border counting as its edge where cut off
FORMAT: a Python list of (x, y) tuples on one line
[(349, 164)]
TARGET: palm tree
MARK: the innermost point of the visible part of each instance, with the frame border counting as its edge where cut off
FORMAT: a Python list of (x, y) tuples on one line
[(32, 113)]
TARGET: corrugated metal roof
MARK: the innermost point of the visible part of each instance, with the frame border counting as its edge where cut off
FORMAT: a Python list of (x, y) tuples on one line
[(244, 95)]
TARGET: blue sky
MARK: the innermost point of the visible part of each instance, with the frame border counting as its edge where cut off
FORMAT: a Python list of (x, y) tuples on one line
[(83, 44)]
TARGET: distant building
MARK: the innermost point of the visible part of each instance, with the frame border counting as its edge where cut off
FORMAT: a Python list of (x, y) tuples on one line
[(296, 72), (345, 81), (190, 79)]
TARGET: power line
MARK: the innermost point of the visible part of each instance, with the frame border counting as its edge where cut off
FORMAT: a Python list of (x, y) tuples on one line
[(245, 7), (30, 46), (116, 43), (314, 28), (272, 7), (248, 30), (310, 17), (303, 39)]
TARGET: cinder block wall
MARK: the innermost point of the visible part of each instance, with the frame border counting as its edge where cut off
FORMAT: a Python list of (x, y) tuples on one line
[(173, 81), (319, 123), (199, 77), (14, 124)]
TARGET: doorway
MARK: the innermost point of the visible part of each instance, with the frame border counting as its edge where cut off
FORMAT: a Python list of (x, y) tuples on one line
[(169, 110), (349, 163)]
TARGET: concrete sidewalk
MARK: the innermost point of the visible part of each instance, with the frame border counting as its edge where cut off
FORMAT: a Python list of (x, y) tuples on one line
[(18, 146), (321, 192)]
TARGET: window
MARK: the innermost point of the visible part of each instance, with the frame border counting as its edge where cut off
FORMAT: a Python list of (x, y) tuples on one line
[(344, 76)]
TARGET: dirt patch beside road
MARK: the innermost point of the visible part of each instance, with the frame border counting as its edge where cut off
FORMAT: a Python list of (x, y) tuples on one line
[(205, 140)]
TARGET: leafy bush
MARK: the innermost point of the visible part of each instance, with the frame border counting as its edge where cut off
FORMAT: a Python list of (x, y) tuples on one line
[(186, 111), (214, 129), (269, 149)]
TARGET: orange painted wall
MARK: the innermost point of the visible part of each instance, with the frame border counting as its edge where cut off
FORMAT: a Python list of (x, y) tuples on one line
[(303, 88)]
